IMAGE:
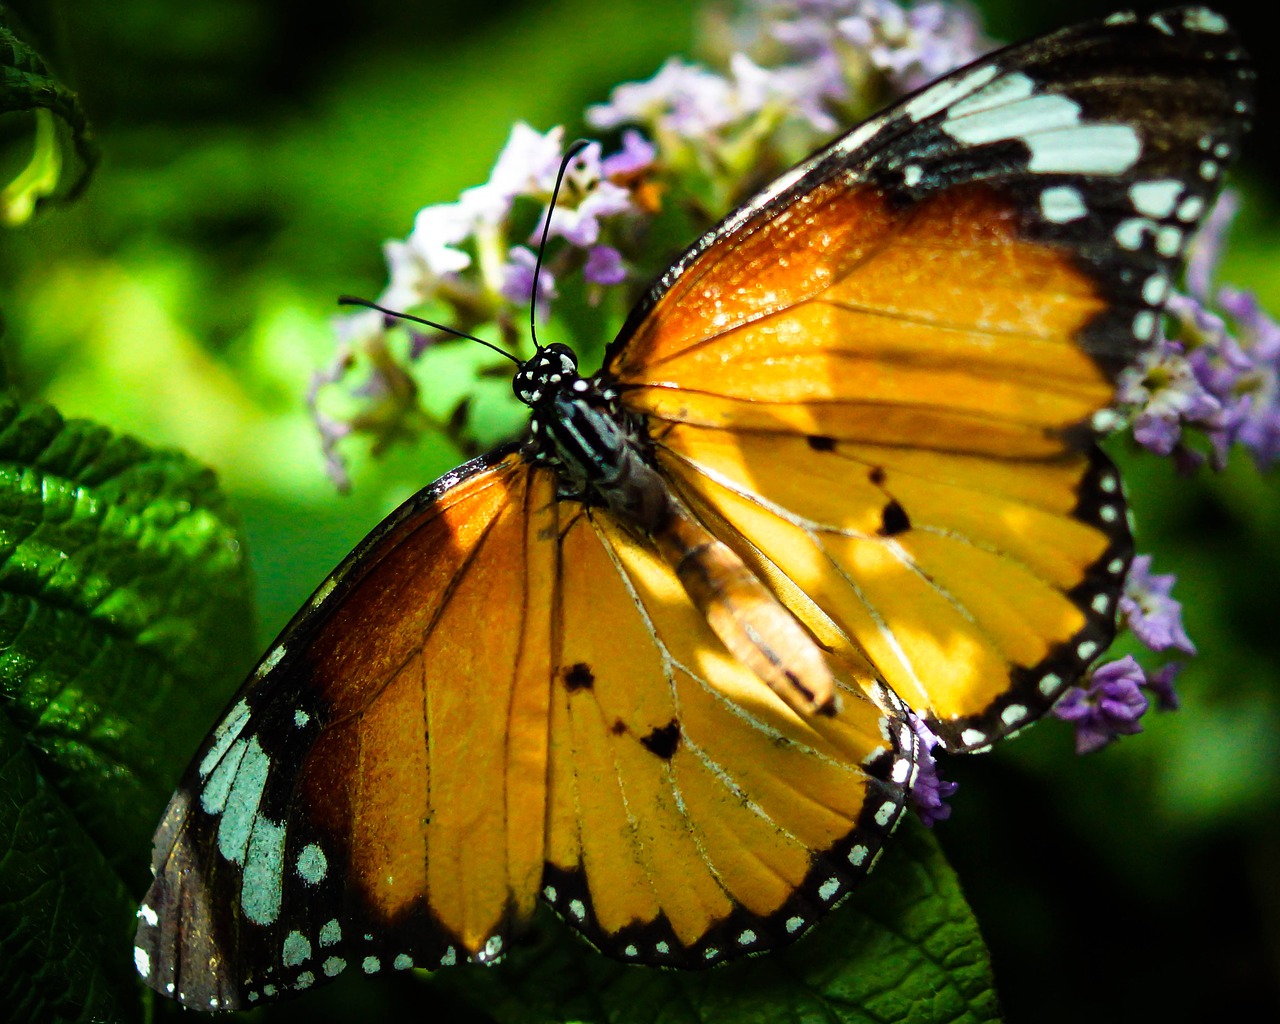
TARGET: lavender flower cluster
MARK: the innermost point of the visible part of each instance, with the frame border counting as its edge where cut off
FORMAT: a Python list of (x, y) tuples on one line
[(694, 137)]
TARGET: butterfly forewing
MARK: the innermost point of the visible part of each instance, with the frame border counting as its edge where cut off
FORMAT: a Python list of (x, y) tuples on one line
[(884, 371)]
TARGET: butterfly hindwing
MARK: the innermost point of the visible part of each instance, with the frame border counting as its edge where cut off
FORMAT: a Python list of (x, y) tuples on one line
[(694, 815), (883, 372)]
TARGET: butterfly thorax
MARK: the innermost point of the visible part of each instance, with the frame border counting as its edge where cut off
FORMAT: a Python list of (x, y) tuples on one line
[(580, 430)]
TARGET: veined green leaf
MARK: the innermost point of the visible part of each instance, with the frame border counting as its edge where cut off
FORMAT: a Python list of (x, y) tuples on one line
[(27, 84), (123, 596)]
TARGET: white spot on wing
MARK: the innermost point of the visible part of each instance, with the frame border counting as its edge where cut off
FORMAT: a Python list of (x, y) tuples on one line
[(1190, 209), (312, 864), (1132, 231), (1200, 19), (226, 733), (142, 961), (295, 950), (1024, 119), (947, 92), (323, 591), (148, 915), (270, 661), (1156, 289), (262, 884), (242, 802), (1062, 204), (371, 965), (1006, 90), (1168, 240), (1087, 149), (828, 889), (1013, 714), (1144, 325), (1050, 683), (330, 933), (972, 736), (1155, 198)]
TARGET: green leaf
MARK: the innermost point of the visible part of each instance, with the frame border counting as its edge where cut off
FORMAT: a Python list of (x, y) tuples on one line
[(905, 949), (27, 85), (124, 595)]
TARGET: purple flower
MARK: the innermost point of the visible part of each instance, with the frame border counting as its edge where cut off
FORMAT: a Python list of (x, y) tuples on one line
[(1255, 389), (1206, 247), (929, 790), (801, 90), (580, 224), (635, 157), (517, 281), (1154, 617), (913, 45), (604, 266), (431, 247), (1161, 686), (1223, 382), (335, 466), (1109, 705), (1164, 395), (684, 99), (527, 166)]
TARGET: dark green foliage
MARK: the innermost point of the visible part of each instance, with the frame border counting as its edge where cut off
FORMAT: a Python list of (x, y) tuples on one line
[(124, 594)]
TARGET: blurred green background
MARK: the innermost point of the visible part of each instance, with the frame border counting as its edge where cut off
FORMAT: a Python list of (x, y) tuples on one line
[(256, 155)]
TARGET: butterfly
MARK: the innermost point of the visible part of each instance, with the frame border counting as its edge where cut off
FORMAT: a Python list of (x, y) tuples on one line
[(660, 662)]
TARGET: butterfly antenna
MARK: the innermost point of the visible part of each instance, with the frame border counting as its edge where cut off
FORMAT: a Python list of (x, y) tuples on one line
[(570, 153), (351, 300)]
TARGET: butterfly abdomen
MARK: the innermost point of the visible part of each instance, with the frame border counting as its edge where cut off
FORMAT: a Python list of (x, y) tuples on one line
[(755, 627)]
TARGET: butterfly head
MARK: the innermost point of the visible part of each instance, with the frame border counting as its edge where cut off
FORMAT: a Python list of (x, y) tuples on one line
[(552, 368)]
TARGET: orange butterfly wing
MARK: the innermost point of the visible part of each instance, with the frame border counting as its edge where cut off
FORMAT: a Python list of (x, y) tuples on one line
[(894, 420), (880, 377), (503, 695)]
